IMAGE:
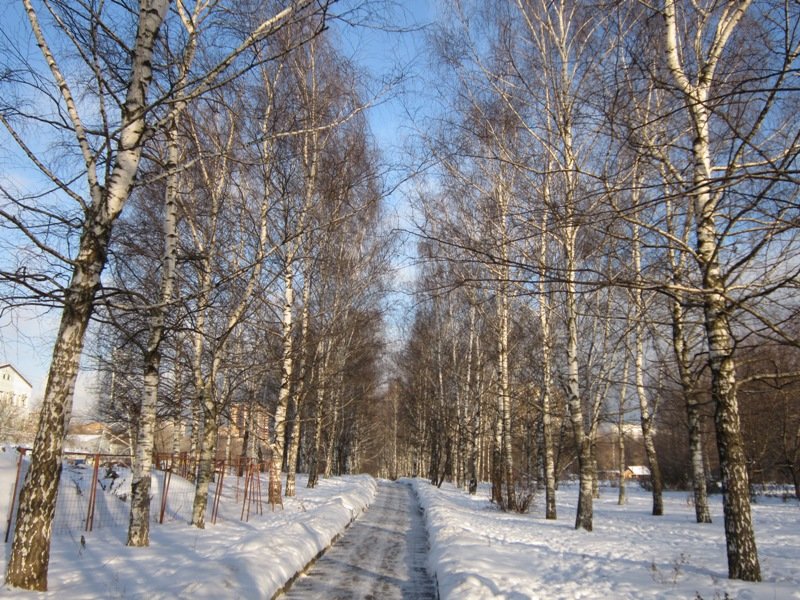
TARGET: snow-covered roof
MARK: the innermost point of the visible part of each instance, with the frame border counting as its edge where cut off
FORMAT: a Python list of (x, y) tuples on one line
[(639, 470), (84, 443)]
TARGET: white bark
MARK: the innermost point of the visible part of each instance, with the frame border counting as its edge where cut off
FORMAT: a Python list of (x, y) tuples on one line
[(473, 403), (300, 391), (740, 538), (139, 525), (287, 364), (333, 433), (623, 394), (322, 390), (702, 512), (208, 439), (547, 376), (30, 552), (584, 513), (645, 415), (207, 401), (504, 399)]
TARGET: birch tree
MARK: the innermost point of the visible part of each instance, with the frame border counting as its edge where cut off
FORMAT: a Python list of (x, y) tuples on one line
[(108, 126), (351, 283), (139, 525), (700, 74), (109, 170), (727, 175), (232, 240), (646, 408), (651, 164), (565, 40)]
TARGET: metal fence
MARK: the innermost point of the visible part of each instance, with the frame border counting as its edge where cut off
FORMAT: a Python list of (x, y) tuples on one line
[(94, 490)]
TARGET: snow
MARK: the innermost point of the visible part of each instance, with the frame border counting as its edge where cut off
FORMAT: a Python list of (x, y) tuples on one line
[(476, 551), (232, 559), (639, 471), (479, 552)]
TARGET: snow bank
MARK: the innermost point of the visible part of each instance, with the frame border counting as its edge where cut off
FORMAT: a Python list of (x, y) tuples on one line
[(232, 559), (480, 552)]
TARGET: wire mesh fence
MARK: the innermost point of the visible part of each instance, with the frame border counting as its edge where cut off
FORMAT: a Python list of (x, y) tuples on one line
[(94, 490)]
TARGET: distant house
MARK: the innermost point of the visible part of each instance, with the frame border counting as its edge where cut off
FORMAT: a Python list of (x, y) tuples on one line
[(637, 472), (95, 437), (15, 390)]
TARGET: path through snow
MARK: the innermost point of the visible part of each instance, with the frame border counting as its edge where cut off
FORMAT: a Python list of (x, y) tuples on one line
[(382, 555)]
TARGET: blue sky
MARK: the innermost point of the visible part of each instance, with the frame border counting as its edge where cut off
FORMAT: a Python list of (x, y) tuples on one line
[(400, 46), (26, 335)]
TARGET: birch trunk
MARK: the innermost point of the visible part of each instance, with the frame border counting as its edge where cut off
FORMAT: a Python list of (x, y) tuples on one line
[(680, 348), (332, 436), (287, 365), (313, 468), (621, 498), (497, 460), (504, 472), (623, 393), (697, 458), (472, 408), (702, 512), (584, 513), (437, 439), (547, 378), (473, 450), (177, 435), (462, 391), (30, 551), (294, 443), (205, 466), (394, 468), (739, 534), (646, 417), (504, 402), (248, 441), (656, 480), (564, 137), (307, 75), (139, 525), (195, 441), (293, 451), (139, 521)]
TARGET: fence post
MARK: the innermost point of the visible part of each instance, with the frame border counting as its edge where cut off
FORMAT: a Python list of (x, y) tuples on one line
[(92, 494), (218, 495), (259, 497), (164, 492), (14, 495), (247, 479)]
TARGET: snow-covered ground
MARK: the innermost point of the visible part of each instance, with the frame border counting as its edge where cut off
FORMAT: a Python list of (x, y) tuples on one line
[(480, 552), (232, 559), (476, 550)]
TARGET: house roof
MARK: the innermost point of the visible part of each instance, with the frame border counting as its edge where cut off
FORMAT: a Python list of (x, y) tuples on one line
[(13, 368), (92, 428), (639, 470)]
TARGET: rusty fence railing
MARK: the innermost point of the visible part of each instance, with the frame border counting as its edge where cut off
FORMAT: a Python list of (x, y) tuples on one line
[(93, 490)]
